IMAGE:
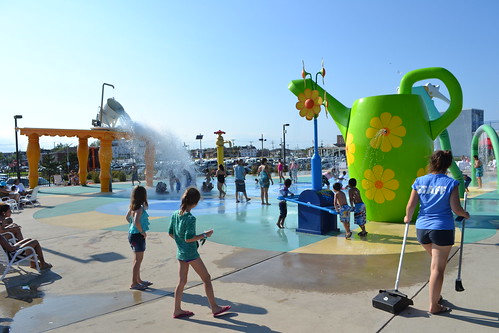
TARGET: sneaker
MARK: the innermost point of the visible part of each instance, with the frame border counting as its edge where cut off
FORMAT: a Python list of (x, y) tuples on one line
[(237, 201), (349, 235)]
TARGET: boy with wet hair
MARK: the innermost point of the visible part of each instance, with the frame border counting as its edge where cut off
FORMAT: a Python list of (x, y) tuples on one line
[(358, 206), (343, 209)]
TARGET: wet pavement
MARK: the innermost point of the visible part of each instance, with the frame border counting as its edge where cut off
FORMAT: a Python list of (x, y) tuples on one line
[(275, 280)]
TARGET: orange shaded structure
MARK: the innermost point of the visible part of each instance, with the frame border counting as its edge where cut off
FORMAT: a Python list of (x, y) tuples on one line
[(104, 135)]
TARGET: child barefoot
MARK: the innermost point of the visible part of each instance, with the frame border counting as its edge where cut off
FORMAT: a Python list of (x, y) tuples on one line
[(283, 207), (139, 224), (343, 209), (358, 206), (183, 230)]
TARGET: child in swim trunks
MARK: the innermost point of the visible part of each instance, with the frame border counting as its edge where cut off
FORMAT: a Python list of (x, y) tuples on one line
[(343, 209), (358, 206)]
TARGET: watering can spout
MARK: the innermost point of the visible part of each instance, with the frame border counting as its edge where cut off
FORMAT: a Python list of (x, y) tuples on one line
[(337, 110)]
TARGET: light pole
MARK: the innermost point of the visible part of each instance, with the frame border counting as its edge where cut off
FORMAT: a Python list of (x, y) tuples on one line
[(284, 143), (200, 138), (18, 116), (262, 139)]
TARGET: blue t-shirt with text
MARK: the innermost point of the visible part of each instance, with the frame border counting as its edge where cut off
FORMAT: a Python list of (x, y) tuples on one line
[(434, 192)]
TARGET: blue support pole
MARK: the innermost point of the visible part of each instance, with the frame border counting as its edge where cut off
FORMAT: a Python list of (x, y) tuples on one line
[(316, 162)]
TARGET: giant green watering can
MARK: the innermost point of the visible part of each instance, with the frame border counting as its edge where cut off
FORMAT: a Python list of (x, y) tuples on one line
[(389, 139)]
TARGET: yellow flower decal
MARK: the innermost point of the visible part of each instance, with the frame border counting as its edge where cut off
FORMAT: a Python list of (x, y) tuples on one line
[(386, 132), (422, 171), (350, 148), (379, 184), (309, 103)]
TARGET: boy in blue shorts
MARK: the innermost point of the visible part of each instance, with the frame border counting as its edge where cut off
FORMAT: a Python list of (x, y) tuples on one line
[(283, 207), (358, 206), (343, 209)]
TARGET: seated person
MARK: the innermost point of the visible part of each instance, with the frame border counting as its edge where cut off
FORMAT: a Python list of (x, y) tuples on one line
[(11, 249), (7, 224), (207, 186), (7, 192), (19, 188), (73, 178)]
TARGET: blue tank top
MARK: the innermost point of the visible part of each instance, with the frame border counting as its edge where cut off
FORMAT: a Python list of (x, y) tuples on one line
[(434, 192), (144, 222)]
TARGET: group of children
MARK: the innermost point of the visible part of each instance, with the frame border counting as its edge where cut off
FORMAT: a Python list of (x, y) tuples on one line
[(340, 204), (183, 231)]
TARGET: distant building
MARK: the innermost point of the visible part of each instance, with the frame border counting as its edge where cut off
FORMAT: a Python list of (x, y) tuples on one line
[(248, 151), (461, 131)]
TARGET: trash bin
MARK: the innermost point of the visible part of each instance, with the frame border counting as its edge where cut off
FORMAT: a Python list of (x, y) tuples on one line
[(313, 220)]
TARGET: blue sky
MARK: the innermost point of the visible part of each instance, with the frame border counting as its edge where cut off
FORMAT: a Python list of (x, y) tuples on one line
[(191, 67)]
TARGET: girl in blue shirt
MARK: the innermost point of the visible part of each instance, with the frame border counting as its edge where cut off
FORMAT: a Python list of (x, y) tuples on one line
[(183, 230), (138, 219), (437, 196)]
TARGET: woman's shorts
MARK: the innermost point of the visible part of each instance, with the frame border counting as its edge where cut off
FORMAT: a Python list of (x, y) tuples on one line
[(137, 242), (437, 237)]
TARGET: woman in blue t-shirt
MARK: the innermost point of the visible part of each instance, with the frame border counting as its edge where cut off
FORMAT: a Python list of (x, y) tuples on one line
[(437, 196)]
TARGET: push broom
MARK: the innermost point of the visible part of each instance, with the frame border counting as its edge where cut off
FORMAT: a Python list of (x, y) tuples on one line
[(459, 282)]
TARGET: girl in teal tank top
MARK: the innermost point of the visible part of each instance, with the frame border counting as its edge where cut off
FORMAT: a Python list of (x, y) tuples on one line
[(138, 219)]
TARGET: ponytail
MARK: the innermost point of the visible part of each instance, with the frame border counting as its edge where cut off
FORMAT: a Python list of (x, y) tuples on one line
[(190, 197)]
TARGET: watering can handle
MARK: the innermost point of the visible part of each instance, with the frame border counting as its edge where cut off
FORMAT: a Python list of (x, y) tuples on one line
[(453, 86)]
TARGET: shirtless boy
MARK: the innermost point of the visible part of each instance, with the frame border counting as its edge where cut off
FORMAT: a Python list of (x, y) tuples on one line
[(343, 209)]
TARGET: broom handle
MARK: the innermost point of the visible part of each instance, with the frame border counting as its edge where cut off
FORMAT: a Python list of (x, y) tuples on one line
[(401, 256), (462, 241)]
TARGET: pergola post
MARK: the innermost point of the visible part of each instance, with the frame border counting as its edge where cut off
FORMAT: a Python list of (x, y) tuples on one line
[(33, 155)]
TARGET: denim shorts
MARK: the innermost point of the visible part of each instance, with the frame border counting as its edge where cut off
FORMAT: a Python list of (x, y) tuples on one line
[(137, 242), (437, 237)]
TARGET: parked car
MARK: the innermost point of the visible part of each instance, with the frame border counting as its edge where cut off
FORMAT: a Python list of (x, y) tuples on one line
[(25, 181), (3, 176)]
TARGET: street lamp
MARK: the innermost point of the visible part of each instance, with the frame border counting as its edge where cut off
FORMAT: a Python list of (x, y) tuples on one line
[(284, 143), (262, 139), (200, 138), (17, 148)]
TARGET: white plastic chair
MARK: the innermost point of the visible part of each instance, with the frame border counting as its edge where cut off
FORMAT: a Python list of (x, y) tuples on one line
[(16, 258), (58, 180), (12, 203), (31, 199)]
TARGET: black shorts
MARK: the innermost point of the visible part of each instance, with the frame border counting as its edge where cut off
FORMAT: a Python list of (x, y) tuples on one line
[(437, 237), (240, 186), (283, 209), (137, 242)]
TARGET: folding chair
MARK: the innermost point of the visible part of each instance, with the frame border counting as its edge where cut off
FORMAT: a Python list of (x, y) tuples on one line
[(31, 199), (16, 258)]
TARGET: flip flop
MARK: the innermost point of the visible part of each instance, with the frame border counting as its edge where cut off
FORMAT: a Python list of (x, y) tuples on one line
[(140, 287), (443, 309), (146, 283), (186, 314), (440, 300), (224, 309)]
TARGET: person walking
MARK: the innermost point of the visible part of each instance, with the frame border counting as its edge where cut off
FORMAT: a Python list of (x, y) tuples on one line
[(280, 171), (240, 177), (437, 196), (183, 231), (138, 219), (221, 174), (478, 170), (135, 175), (264, 179)]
